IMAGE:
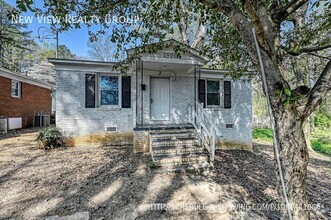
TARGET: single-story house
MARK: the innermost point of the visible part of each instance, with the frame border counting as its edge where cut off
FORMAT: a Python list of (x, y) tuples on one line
[(21, 99), (159, 91)]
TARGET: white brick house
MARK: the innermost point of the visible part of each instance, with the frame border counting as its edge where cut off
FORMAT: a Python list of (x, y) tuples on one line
[(158, 90)]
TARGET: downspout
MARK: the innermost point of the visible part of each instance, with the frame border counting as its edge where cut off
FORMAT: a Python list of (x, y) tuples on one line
[(137, 92), (273, 127), (142, 93), (195, 87), (1, 33)]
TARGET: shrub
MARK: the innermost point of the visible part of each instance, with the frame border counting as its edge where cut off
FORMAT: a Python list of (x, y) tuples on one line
[(264, 134), (322, 121), (320, 147), (51, 137)]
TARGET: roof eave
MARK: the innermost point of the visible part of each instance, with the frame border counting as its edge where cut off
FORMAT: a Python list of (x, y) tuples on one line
[(29, 80), (79, 62)]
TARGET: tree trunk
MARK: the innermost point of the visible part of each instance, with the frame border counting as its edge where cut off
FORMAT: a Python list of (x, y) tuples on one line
[(293, 149), (294, 161)]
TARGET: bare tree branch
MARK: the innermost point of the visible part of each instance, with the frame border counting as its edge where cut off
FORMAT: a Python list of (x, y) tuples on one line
[(182, 24), (282, 13), (322, 57), (244, 26), (221, 6), (199, 36), (319, 91), (308, 50)]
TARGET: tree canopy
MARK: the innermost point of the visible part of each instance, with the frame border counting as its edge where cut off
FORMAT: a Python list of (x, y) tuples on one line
[(289, 32), (14, 38)]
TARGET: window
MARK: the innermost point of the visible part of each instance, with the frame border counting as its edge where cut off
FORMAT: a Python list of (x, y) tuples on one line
[(16, 89), (227, 94), (109, 90), (213, 92)]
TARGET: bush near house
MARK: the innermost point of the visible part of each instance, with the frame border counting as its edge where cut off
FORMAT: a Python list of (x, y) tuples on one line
[(51, 137)]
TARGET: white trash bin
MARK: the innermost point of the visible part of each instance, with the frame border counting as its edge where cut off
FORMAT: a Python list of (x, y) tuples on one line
[(3, 125)]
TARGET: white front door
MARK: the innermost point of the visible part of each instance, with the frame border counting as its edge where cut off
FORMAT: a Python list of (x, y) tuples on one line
[(160, 99)]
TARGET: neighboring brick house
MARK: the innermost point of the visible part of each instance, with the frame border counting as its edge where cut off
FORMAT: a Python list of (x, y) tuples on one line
[(22, 96)]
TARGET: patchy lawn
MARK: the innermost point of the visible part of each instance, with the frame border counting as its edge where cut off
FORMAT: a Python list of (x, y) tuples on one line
[(114, 183), (320, 139)]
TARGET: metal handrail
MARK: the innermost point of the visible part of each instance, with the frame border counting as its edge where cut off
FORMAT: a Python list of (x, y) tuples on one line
[(199, 117), (205, 113)]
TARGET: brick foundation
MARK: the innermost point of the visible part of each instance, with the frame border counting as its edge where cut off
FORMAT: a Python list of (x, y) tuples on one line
[(141, 141)]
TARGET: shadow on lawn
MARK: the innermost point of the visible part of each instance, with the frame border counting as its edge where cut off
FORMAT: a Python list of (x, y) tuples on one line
[(19, 132), (126, 181), (117, 190), (11, 172), (254, 172)]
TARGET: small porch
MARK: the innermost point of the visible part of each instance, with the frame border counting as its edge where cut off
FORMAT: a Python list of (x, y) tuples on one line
[(156, 127), (170, 123), (166, 87), (192, 143)]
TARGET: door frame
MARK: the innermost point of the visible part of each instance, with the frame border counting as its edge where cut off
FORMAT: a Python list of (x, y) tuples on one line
[(150, 97)]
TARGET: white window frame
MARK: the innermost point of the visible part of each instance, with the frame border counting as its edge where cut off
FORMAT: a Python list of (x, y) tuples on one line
[(99, 90), (19, 89), (220, 92)]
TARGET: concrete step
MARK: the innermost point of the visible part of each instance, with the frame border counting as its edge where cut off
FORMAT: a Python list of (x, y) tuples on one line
[(169, 135), (176, 147), (177, 150), (172, 130), (180, 159), (173, 141)]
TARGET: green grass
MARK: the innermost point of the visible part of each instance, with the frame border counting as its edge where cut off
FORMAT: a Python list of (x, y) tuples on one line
[(264, 134), (320, 139), (321, 142)]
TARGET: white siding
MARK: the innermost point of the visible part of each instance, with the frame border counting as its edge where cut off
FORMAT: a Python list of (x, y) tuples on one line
[(240, 115), (72, 116)]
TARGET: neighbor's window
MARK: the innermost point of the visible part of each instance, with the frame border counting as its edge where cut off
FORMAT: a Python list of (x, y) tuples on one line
[(109, 90), (213, 92), (16, 89)]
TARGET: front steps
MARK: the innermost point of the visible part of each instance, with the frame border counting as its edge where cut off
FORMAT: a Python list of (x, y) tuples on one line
[(176, 147)]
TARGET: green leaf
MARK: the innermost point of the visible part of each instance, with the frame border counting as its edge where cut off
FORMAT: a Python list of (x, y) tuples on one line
[(280, 93), (296, 48), (296, 98), (288, 92), (286, 102)]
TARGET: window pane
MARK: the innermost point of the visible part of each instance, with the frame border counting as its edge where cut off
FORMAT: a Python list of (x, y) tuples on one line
[(213, 99), (109, 97), (109, 83), (14, 88), (213, 86), (109, 90)]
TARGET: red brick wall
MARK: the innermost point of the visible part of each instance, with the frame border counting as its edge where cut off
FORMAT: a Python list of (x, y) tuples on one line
[(34, 98)]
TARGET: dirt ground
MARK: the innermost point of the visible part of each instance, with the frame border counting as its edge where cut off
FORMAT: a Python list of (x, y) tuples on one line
[(114, 183)]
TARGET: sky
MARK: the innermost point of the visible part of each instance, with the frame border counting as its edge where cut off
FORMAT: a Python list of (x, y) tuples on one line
[(75, 39)]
